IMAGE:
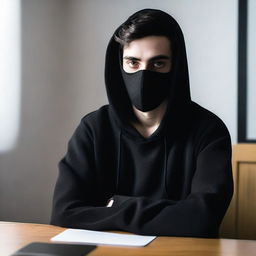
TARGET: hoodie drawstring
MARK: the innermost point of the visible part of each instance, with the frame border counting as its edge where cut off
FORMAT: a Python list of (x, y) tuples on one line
[(165, 166), (118, 161)]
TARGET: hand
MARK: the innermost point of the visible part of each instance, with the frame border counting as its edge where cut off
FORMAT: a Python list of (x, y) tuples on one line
[(110, 202)]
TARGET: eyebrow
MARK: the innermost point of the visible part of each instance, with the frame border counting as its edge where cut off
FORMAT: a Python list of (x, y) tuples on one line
[(158, 57)]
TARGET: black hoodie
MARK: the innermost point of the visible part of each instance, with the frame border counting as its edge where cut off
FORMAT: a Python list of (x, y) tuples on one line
[(177, 182)]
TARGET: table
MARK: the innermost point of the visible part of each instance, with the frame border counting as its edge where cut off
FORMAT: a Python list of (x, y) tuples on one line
[(15, 235)]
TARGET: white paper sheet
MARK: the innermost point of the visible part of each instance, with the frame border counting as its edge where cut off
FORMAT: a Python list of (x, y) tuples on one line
[(81, 236)]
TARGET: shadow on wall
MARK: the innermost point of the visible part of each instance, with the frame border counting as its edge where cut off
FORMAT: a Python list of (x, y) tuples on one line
[(29, 168)]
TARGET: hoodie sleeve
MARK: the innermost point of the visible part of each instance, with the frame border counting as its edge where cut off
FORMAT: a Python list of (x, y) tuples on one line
[(76, 202)]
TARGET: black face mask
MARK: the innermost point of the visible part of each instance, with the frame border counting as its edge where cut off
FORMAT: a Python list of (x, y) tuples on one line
[(147, 89)]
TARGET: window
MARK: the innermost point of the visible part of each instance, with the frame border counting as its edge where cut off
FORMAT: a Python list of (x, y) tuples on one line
[(10, 73)]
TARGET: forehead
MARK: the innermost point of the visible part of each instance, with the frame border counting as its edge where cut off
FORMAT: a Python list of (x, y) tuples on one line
[(148, 47)]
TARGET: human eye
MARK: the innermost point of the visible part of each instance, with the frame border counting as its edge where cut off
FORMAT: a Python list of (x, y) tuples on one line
[(158, 64), (132, 63)]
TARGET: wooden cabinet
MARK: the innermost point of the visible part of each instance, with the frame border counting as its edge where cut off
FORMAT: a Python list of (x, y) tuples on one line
[(240, 219)]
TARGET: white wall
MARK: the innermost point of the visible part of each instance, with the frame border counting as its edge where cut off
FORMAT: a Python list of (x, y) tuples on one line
[(28, 171), (63, 48), (210, 30), (251, 76)]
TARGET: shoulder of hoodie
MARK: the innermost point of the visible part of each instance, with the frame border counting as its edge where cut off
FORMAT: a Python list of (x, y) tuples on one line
[(206, 120), (100, 118)]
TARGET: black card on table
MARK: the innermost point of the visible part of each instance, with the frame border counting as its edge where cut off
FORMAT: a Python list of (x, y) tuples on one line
[(51, 249)]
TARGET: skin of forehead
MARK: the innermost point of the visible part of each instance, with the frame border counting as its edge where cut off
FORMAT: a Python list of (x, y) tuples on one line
[(146, 48)]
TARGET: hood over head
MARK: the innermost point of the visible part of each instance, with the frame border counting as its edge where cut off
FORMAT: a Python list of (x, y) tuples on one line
[(179, 96)]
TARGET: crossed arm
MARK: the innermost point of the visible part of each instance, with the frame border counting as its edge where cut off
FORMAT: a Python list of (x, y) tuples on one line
[(199, 215)]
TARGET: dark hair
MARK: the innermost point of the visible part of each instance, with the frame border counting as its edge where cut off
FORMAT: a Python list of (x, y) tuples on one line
[(148, 22)]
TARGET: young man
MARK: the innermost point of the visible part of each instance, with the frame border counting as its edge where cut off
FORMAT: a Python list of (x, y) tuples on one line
[(152, 161)]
